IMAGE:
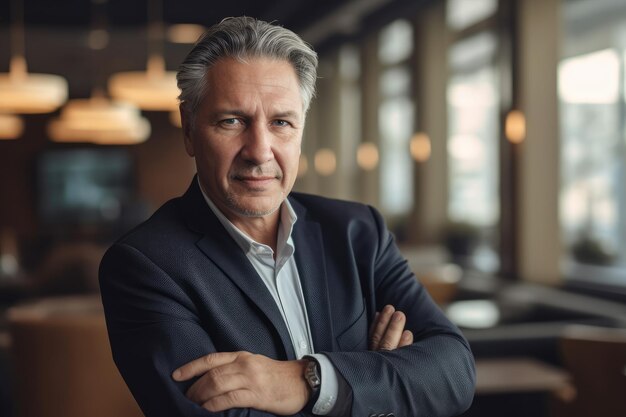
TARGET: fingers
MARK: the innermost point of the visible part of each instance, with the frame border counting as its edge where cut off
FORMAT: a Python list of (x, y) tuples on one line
[(233, 399), (205, 363), (379, 326), (248, 381), (215, 384), (393, 334), (406, 339), (387, 330)]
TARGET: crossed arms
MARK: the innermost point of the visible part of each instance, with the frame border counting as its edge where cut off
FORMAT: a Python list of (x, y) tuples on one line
[(163, 313), (244, 380)]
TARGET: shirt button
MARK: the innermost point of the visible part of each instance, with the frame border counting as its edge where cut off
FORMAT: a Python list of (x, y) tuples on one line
[(303, 344)]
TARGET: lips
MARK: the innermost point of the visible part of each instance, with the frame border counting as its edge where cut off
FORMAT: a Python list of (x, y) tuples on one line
[(266, 178), (256, 183), (257, 175)]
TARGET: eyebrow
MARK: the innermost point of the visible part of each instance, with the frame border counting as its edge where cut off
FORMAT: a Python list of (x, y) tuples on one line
[(287, 114), (221, 113), (235, 112)]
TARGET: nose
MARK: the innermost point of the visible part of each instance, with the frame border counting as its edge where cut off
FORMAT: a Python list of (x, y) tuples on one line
[(257, 147)]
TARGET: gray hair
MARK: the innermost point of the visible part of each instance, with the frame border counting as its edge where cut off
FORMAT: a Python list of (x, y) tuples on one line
[(242, 38)]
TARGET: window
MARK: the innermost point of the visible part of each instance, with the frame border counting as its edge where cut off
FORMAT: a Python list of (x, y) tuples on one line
[(462, 14), (396, 117), (593, 143), (473, 135)]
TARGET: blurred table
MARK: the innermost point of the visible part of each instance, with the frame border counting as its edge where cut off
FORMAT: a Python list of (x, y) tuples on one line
[(519, 375), (516, 387)]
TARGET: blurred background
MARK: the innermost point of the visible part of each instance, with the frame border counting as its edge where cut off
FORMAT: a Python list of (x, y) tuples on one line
[(490, 133)]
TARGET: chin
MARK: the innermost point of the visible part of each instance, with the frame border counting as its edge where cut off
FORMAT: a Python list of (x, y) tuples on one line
[(251, 210)]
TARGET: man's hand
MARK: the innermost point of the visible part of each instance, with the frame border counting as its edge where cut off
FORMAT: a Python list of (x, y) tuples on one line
[(245, 380), (387, 331)]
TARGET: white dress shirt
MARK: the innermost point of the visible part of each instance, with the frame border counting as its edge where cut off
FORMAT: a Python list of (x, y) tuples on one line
[(280, 275)]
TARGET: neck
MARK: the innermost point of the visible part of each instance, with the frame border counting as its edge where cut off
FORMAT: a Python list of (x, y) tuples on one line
[(262, 229)]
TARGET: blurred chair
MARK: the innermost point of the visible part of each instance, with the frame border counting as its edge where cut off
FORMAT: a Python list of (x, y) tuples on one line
[(433, 269), (69, 269), (596, 358), (441, 282), (62, 362)]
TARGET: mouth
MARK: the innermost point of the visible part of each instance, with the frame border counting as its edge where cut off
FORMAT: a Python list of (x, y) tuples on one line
[(255, 182)]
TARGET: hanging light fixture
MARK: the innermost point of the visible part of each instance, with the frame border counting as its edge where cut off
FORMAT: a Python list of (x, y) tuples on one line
[(11, 126), (101, 121), (155, 88), (98, 119), (20, 91)]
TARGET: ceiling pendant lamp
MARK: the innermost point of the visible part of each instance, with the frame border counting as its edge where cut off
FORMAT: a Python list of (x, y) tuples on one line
[(101, 121), (98, 119), (11, 126), (20, 91), (155, 88)]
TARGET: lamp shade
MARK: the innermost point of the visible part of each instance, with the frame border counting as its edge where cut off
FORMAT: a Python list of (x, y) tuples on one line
[(154, 89), (22, 92), (99, 120)]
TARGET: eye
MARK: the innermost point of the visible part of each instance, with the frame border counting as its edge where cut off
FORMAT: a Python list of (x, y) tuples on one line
[(230, 122), (281, 123)]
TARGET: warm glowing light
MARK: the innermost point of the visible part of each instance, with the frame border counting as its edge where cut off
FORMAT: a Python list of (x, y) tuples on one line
[(303, 167), (175, 118), (325, 162), (515, 126), (99, 120), (185, 33), (11, 126), (420, 147), (367, 156), (154, 89), (22, 92)]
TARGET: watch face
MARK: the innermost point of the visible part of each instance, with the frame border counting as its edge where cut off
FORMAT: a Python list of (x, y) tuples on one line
[(312, 374)]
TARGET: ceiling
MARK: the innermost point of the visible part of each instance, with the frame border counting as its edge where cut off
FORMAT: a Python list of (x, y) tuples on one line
[(292, 13), (57, 31), (317, 19)]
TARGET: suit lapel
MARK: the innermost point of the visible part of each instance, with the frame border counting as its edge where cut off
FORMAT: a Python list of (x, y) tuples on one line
[(310, 260), (218, 246)]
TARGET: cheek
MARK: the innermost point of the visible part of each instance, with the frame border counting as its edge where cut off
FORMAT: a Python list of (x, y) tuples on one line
[(292, 161)]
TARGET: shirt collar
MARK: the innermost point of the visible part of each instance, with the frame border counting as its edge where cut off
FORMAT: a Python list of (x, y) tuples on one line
[(288, 218)]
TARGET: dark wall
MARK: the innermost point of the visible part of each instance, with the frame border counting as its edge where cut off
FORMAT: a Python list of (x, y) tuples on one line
[(163, 171)]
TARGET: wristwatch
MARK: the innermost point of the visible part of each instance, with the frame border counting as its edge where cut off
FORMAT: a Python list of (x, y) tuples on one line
[(312, 375)]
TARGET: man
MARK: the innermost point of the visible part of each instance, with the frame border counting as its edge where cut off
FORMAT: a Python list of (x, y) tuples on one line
[(241, 298)]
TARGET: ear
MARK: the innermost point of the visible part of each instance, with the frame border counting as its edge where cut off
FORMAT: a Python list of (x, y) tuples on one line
[(186, 125)]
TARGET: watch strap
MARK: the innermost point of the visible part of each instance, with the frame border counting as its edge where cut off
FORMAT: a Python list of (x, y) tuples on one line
[(313, 377)]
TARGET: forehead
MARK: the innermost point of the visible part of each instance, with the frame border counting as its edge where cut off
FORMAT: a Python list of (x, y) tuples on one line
[(239, 82)]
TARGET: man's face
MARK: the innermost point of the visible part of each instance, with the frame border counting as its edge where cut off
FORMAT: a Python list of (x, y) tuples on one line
[(247, 134)]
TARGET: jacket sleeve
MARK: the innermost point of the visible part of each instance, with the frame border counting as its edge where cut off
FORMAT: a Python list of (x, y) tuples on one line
[(432, 377), (153, 330)]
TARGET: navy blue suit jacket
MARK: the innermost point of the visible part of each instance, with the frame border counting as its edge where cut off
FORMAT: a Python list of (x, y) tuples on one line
[(178, 287)]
